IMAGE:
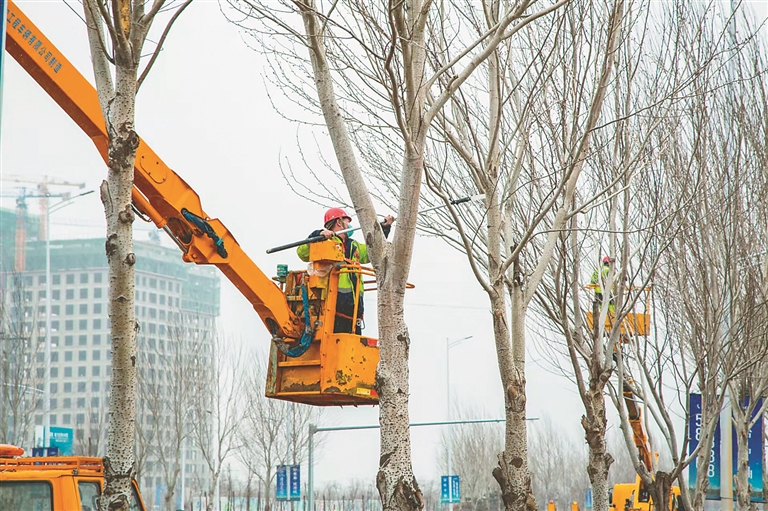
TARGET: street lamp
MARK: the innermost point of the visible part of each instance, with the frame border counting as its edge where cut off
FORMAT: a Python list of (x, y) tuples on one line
[(448, 345), (66, 200)]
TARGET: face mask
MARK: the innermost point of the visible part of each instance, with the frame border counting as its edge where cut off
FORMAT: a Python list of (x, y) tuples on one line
[(342, 227)]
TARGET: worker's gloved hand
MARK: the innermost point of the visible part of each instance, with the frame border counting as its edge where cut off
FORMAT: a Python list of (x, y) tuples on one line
[(327, 234), (388, 220)]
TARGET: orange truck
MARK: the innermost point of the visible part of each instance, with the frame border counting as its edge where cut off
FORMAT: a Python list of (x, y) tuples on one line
[(60, 483)]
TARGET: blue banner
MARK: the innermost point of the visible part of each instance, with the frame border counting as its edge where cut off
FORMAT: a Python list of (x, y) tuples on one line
[(281, 490), (455, 489), (755, 457), (450, 489), (694, 434), (295, 482)]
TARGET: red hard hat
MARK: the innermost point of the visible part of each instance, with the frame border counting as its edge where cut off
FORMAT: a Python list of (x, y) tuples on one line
[(334, 213), (606, 259)]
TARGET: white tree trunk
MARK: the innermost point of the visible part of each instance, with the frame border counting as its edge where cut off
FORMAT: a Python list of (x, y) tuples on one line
[(116, 197), (395, 481), (743, 497)]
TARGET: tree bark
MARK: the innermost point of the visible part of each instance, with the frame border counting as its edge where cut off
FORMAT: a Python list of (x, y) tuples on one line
[(594, 423), (743, 497), (116, 198), (512, 472)]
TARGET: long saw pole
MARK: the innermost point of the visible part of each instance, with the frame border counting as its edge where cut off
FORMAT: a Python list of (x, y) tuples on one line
[(315, 239)]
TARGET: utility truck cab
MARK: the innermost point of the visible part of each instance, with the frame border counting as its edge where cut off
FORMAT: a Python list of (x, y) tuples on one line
[(52, 483)]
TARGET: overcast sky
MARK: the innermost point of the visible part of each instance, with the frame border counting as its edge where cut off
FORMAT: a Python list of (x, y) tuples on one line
[(204, 109)]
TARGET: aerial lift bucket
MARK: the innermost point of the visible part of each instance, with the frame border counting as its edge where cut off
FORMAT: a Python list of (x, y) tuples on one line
[(338, 368), (633, 323)]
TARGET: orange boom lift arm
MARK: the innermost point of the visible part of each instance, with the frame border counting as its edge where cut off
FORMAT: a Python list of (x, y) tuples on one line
[(330, 368)]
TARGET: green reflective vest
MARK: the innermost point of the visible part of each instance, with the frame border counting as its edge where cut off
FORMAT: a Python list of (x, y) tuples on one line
[(354, 251)]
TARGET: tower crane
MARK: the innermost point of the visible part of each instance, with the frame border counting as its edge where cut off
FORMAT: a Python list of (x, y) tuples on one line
[(42, 192)]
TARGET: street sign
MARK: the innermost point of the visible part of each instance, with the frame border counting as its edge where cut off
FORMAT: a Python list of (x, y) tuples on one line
[(450, 489), (754, 443), (281, 490), (694, 433), (288, 482), (295, 482)]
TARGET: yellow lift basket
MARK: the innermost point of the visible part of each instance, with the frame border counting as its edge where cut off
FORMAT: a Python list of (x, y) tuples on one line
[(634, 323), (338, 368)]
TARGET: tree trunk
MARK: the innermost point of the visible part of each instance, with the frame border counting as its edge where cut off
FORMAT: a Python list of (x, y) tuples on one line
[(743, 497), (395, 482), (660, 491), (212, 491), (116, 198), (594, 424), (512, 473)]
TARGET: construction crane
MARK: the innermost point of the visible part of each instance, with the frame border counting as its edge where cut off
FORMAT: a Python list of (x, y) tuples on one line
[(42, 192)]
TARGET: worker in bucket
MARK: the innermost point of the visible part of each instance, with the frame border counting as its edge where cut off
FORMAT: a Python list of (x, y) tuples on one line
[(335, 220), (599, 278)]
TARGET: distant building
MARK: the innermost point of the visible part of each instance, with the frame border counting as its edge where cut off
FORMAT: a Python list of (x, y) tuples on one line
[(170, 295)]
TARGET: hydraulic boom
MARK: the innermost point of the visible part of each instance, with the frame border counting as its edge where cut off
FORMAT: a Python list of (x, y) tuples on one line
[(309, 362)]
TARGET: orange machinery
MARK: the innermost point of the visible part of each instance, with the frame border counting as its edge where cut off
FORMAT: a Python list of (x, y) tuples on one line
[(636, 496), (634, 323), (309, 363), (58, 483)]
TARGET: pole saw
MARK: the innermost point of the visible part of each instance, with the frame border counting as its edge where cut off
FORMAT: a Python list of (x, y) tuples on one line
[(320, 237)]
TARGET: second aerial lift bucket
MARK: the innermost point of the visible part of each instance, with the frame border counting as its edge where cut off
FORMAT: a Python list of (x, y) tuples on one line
[(632, 324), (338, 368)]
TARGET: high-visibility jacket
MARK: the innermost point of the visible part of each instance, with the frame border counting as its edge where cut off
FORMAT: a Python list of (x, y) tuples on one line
[(599, 276), (354, 251)]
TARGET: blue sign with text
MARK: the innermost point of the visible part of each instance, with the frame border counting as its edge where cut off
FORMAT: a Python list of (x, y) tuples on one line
[(281, 483), (450, 489), (694, 433), (295, 482), (755, 454), (288, 482), (61, 438)]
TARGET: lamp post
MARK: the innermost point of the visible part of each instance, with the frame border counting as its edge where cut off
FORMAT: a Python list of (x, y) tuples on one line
[(448, 345), (66, 200)]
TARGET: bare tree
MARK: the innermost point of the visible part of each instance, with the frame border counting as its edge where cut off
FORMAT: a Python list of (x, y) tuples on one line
[(474, 447), (216, 405), (91, 421), (117, 31), (167, 382), (642, 157), (271, 432), (745, 161), (712, 300), (368, 64), (18, 352), (557, 464)]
